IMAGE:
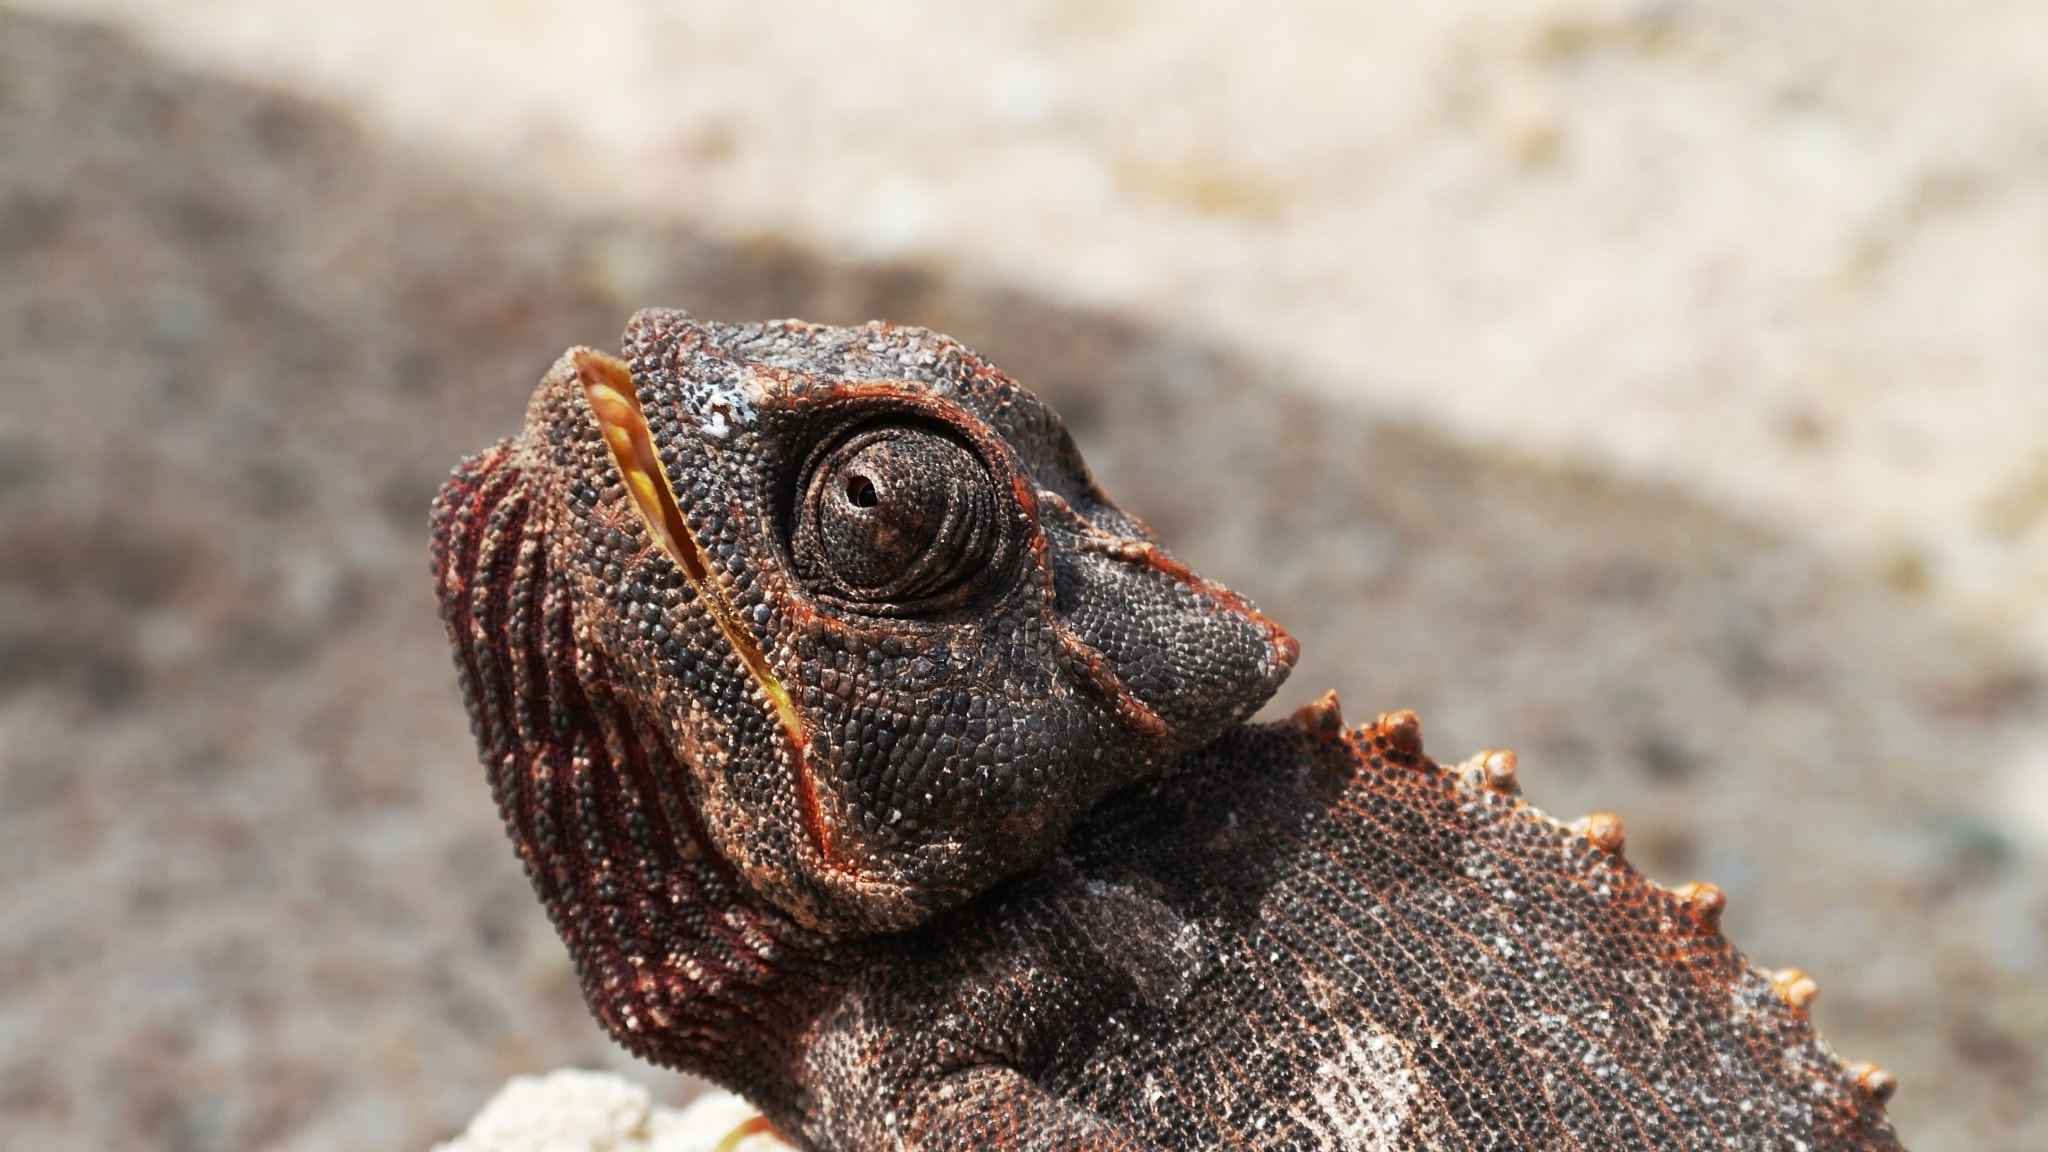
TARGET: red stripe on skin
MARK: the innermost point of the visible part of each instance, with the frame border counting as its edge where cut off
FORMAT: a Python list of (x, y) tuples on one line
[(1146, 554), (1149, 555)]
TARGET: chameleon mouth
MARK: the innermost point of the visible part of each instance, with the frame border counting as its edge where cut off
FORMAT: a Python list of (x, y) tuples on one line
[(608, 386)]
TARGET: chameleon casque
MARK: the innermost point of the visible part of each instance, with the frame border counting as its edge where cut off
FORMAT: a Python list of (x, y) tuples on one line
[(872, 763)]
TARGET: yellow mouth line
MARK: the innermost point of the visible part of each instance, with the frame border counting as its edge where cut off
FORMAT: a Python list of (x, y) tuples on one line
[(608, 386)]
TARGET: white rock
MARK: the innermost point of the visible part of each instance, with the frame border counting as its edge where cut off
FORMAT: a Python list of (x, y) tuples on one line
[(570, 1110)]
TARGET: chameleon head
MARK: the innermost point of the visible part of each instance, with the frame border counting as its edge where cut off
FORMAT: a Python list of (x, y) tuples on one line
[(864, 589)]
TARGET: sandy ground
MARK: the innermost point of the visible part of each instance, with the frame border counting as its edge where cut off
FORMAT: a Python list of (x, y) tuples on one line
[(1656, 389)]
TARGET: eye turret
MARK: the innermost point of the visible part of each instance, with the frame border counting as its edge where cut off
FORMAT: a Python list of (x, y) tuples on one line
[(897, 516)]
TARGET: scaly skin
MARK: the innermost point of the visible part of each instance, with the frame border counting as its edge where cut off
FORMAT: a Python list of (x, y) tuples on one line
[(871, 762)]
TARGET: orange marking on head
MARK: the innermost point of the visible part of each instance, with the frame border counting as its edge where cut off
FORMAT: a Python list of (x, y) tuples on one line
[(608, 386), (1156, 558)]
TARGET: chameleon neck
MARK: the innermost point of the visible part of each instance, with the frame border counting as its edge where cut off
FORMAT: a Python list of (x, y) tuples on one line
[(678, 962)]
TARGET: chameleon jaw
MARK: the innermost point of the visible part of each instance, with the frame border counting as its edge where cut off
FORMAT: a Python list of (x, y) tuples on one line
[(608, 387)]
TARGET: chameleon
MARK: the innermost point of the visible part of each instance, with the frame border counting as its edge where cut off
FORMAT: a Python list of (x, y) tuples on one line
[(871, 762)]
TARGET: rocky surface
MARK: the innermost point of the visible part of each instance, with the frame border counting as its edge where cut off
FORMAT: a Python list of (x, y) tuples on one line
[(569, 1110), (252, 894)]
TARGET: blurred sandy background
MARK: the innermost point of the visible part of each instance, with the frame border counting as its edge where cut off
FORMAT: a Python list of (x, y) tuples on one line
[(1659, 388)]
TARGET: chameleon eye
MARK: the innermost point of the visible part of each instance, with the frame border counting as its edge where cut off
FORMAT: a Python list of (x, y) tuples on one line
[(896, 513)]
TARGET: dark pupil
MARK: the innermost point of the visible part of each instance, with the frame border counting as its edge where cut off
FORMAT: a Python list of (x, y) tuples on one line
[(897, 513)]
